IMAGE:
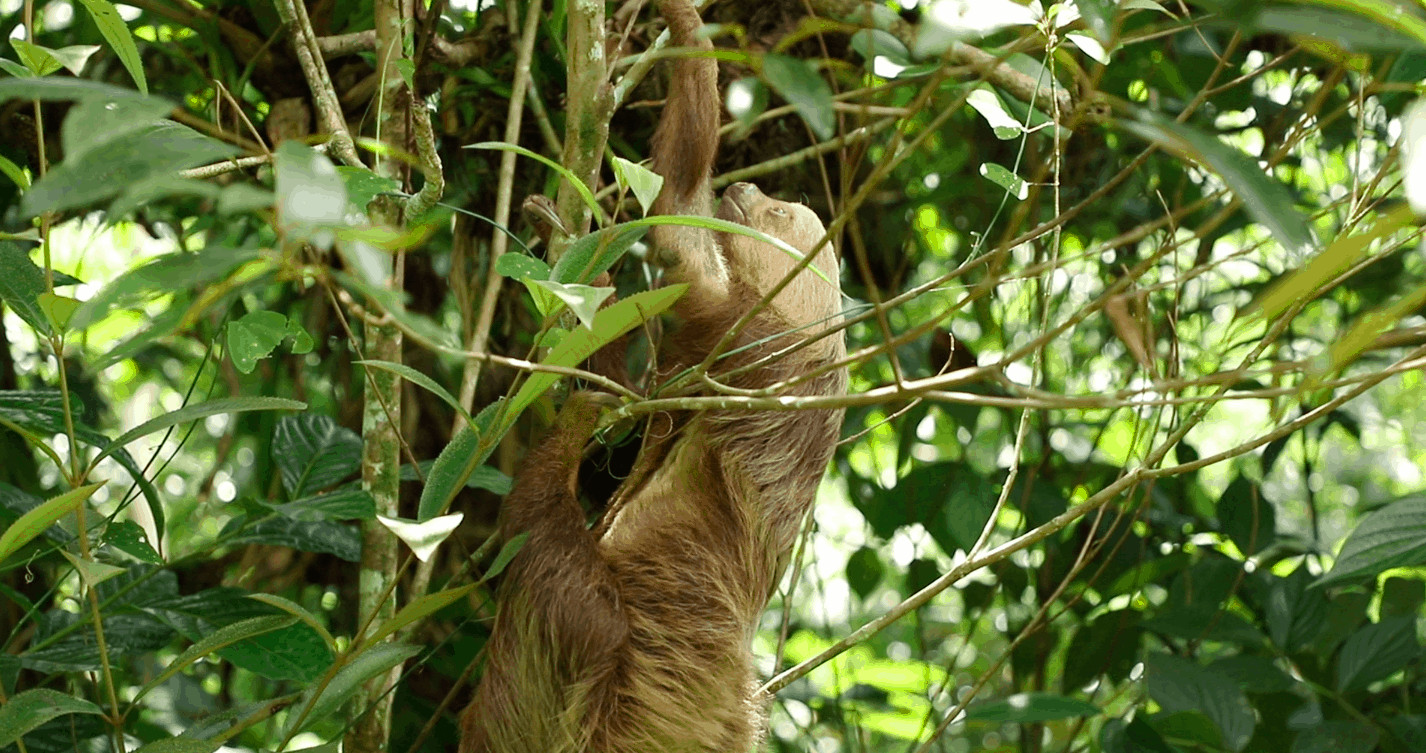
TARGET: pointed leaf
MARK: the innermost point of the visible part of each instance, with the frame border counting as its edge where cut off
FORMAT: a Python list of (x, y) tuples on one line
[(521, 267), (419, 609), (595, 253), (34, 522), (507, 553), (129, 538), (1394, 536), (1181, 685), (798, 82), (374, 660), (222, 638), (116, 33), (423, 536), (1376, 651), (29, 709), (313, 453), (201, 410), (645, 183), (1024, 708), (583, 300), (421, 380)]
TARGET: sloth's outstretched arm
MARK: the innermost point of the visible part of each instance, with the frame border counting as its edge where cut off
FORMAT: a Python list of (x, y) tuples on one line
[(684, 146), (559, 580)]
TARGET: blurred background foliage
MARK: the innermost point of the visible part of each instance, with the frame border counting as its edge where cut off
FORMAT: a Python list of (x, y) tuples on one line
[(1136, 311)]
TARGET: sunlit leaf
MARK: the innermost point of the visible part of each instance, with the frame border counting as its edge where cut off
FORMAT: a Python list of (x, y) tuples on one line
[(595, 253), (1013, 184), (421, 607), (645, 183), (583, 300), (423, 536), (116, 33), (38, 59), (34, 522), (1393, 536)]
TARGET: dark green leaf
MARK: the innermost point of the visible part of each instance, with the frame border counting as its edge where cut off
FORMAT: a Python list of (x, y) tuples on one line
[(363, 185), (373, 661), (1247, 518), (595, 253), (798, 82), (1107, 645), (507, 553), (1394, 536), (1337, 736), (201, 410), (1266, 200), (116, 33), (864, 571), (344, 504), (1376, 651), (21, 283), (96, 121), (163, 276), (1023, 708), (314, 453), (1180, 685), (521, 267), (129, 537), (29, 709), (1296, 613)]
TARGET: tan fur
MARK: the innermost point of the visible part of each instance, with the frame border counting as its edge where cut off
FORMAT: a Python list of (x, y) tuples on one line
[(634, 637)]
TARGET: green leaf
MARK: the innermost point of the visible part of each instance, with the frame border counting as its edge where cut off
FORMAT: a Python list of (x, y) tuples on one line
[(29, 709), (62, 89), (38, 59), (74, 57), (507, 553), (875, 43), (1023, 708), (1248, 519), (1394, 536), (296, 652), (180, 745), (15, 69), (1107, 645), (419, 609), (423, 536), (254, 337), (116, 33), (320, 536), (14, 173), (583, 300), (864, 571), (129, 538), (610, 323), (201, 410), (1180, 685), (1267, 201), (1296, 612), (34, 522), (645, 183), (156, 151), (97, 121), (1337, 736), (458, 460), (92, 572), (521, 267), (986, 102), (58, 309), (21, 285), (164, 275), (363, 185), (1000, 176), (596, 253), (352, 503), (1375, 652), (301, 613), (374, 660), (221, 639), (313, 453), (421, 380), (798, 82)]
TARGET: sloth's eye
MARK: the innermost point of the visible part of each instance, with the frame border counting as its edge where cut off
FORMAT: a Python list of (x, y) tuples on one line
[(779, 211)]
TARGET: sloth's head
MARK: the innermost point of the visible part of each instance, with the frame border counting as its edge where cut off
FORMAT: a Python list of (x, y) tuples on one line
[(809, 297)]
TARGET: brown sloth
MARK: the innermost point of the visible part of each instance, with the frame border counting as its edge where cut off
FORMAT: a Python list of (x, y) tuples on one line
[(635, 636)]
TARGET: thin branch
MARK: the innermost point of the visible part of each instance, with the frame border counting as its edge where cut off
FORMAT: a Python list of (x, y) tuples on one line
[(314, 68)]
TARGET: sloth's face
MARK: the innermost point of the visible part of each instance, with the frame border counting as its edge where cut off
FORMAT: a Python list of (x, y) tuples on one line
[(809, 297)]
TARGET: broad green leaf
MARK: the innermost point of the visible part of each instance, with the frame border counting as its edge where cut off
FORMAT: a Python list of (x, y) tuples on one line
[(201, 410), (1134, 737), (423, 536), (1023, 708), (297, 652), (421, 380), (363, 185), (1254, 674), (746, 100), (116, 33), (875, 43), (301, 613), (19, 502), (645, 183), (34, 522), (574, 181), (157, 150), (313, 452), (62, 89), (947, 22), (96, 121), (353, 503), (903, 676), (798, 82), (38, 59), (1098, 15), (1107, 645), (610, 323), (161, 276), (1013, 184), (389, 302), (74, 57), (21, 285), (521, 267), (373, 660), (129, 538), (58, 309), (320, 536), (1347, 346), (29, 709), (1248, 519), (254, 337), (507, 553), (420, 608), (1089, 46), (92, 573), (1296, 612), (1337, 736), (458, 461), (1376, 651), (1267, 201), (1180, 685), (595, 253), (220, 639), (583, 300), (15, 69), (1394, 536)]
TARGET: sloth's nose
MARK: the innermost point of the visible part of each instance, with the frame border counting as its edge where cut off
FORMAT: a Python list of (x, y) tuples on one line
[(744, 189)]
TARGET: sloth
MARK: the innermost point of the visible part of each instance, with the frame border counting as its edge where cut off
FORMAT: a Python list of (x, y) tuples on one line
[(634, 636)]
